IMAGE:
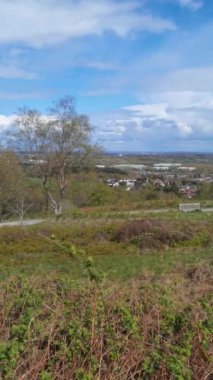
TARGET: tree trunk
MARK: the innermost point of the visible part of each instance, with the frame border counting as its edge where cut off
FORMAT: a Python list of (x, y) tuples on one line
[(58, 210)]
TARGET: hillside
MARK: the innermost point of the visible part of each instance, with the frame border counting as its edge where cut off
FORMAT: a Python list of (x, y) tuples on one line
[(107, 298)]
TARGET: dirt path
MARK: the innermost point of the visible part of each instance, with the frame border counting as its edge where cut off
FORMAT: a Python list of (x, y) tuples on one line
[(30, 222), (27, 222)]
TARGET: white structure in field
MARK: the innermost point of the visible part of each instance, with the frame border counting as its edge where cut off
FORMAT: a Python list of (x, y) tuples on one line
[(190, 168), (189, 207), (130, 166), (166, 166)]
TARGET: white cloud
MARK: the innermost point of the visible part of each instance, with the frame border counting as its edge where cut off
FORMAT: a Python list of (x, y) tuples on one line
[(149, 110), (194, 5), (41, 22), (6, 121), (14, 72), (167, 121), (152, 114), (196, 79), (98, 65), (113, 128)]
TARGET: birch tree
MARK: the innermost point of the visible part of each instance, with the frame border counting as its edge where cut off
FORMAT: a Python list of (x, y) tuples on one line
[(59, 144)]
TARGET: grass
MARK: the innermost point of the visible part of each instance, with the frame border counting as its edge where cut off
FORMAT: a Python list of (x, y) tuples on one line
[(140, 309), (122, 248), (114, 266)]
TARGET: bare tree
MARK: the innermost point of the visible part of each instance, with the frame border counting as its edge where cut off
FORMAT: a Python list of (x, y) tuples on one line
[(20, 208), (59, 143)]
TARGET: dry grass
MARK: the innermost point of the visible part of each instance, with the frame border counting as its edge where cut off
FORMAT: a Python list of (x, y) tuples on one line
[(148, 328)]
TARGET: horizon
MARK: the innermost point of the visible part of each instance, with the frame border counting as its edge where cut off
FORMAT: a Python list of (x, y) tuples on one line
[(159, 153), (141, 70)]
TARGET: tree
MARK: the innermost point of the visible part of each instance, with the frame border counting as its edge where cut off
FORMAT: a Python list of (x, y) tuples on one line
[(59, 144), (11, 182), (20, 208)]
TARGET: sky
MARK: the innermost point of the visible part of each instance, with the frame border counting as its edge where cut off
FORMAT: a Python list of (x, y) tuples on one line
[(141, 69)]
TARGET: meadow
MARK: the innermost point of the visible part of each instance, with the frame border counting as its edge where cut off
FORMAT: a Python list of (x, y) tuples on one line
[(108, 295)]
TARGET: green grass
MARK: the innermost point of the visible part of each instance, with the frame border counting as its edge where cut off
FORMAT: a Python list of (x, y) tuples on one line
[(114, 266), (134, 311), (30, 250)]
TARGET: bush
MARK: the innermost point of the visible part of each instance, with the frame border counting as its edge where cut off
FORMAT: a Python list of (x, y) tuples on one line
[(143, 329), (155, 234)]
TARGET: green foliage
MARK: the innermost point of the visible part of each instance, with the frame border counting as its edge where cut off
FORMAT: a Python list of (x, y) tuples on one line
[(9, 355), (83, 331), (201, 238), (80, 374), (45, 375), (24, 303), (129, 322)]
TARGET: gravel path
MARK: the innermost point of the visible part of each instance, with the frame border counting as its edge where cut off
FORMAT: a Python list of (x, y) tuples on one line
[(26, 222), (30, 222)]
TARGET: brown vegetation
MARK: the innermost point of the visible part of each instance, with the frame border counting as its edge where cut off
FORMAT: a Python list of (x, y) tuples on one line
[(158, 234), (148, 328)]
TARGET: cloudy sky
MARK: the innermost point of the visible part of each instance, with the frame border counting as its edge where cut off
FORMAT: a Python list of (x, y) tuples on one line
[(141, 69)]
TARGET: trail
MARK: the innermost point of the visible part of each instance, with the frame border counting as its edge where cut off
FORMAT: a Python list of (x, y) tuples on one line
[(30, 222), (27, 222)]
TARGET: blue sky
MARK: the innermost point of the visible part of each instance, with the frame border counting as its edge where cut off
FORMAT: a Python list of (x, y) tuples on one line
[(141, 69)]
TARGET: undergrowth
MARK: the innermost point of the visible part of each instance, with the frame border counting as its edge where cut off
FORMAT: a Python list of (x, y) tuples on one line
[(141, 308), (147, 328), (106, 237)]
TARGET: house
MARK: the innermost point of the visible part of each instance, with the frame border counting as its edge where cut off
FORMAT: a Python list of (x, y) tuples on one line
[(112, 182), (188, 191), (159, 184)]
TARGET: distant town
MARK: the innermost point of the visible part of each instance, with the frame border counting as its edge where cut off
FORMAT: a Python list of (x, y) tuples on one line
[(183, 178)]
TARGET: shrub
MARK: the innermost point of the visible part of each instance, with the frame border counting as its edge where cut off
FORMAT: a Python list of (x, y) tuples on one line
[(151, 328), (155, 234)]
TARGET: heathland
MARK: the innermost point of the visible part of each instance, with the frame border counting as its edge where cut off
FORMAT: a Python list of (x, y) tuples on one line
[(108, 296)]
